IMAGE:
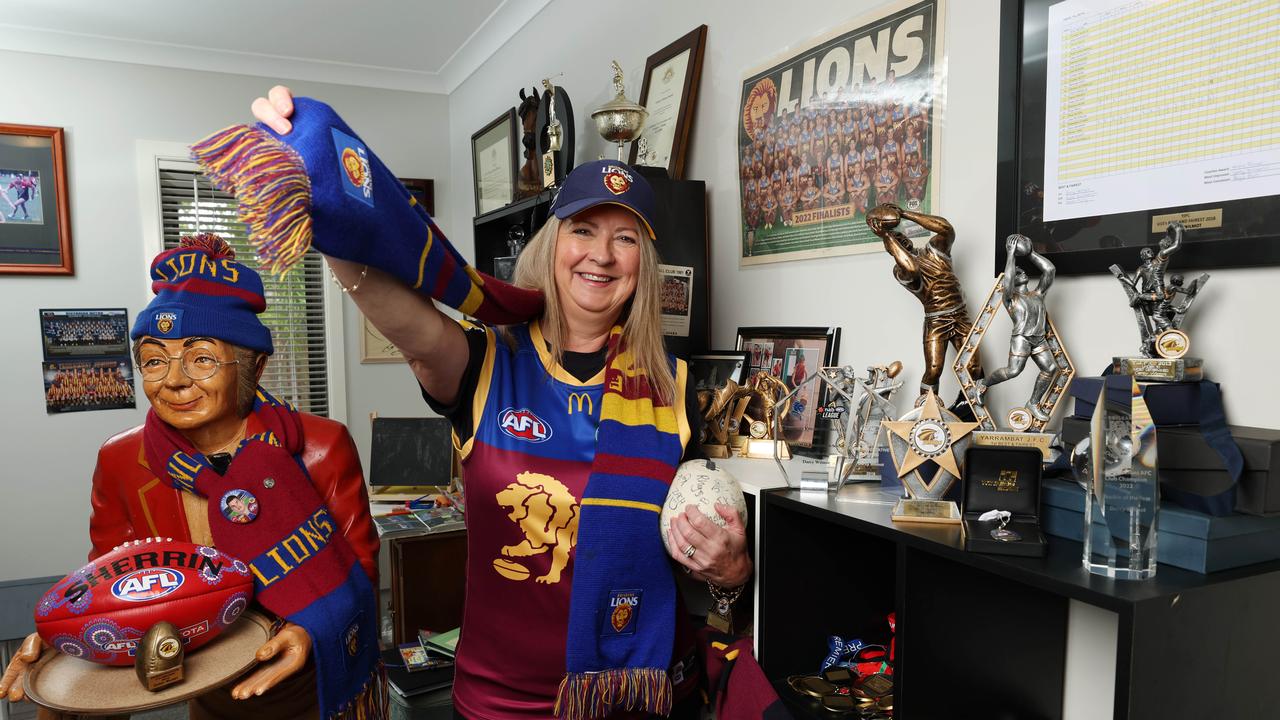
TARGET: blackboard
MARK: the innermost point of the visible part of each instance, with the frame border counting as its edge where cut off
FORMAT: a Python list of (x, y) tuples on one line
[(411, 451)]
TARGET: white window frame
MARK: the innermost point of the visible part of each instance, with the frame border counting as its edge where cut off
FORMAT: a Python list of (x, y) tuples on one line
[(151, 154)]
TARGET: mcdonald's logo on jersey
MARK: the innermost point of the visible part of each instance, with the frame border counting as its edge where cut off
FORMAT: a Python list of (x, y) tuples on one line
[(578, 399)]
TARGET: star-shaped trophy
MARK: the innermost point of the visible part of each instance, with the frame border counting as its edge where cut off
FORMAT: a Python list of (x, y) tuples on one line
[(929, 432)]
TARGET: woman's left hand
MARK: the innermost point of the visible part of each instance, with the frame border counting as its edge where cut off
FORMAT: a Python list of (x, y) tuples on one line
[(287, 653), (719, 554)]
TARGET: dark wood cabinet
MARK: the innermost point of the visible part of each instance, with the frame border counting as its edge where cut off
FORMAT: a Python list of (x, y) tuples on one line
[(986, 635), (428, 575)]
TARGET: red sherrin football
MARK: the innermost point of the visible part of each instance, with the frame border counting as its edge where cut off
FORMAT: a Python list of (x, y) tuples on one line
[(101, 610)]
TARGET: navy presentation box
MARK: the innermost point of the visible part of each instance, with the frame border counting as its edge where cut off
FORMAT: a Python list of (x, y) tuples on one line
[(1186, 539)]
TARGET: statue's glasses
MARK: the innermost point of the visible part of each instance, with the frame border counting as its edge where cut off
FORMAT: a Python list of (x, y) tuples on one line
[(196, 363)]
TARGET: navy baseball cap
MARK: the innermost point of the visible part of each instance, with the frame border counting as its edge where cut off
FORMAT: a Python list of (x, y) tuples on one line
[(606, 181)]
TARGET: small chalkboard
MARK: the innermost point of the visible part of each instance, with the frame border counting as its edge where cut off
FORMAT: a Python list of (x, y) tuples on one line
[(411, 451)]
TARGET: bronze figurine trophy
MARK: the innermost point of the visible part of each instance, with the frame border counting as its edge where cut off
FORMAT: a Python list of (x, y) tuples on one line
[(722, 408), (1033, 337), (927, 273), (1160, 307), (770, 402)]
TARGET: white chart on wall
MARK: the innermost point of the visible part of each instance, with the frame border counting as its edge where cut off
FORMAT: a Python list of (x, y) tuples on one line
[(1160, 103)]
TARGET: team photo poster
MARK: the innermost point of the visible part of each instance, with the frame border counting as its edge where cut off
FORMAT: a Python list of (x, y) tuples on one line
[(847, 123)]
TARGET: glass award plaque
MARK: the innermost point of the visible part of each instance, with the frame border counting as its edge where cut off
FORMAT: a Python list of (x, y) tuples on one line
[(1122, 491)]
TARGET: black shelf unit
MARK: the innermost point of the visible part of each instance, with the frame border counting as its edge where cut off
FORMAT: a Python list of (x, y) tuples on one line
[(681, 227), (985, 635)]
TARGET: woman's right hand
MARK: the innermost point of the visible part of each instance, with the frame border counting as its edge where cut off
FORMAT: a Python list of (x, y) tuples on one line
[(274, 109), (11, 683)]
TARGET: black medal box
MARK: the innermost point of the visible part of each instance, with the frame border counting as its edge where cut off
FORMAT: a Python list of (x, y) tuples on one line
[(998, 478)]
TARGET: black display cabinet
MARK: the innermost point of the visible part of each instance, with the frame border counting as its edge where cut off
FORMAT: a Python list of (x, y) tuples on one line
[(681, 227), (984, 636)]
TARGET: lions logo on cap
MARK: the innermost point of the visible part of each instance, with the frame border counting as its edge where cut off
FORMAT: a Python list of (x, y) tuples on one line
[(616, 180), (352, 165), (164, 322)]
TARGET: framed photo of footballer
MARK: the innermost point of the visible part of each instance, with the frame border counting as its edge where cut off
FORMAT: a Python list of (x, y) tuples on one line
[(494, 163), (35, 224), (787, 356), (670, 94), (837, 125)]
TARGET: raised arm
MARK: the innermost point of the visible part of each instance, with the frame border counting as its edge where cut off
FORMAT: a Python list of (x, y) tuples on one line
[(1047, 270), (1010, 265), (433, 344), (882, 219), (1172, 241), (944, 235)]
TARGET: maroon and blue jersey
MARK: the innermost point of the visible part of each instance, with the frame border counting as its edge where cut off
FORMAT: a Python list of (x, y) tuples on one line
[(525, 467)]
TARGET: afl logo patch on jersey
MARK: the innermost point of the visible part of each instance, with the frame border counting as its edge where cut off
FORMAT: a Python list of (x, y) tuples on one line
[(522, 424), (354, 161), (147, 584)]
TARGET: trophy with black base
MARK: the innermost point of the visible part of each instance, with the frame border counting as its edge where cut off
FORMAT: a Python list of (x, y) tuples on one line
[(1160, 306), (929, 432)]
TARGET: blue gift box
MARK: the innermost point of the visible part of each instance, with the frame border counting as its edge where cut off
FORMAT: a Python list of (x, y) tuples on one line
[(1170, 403), (1186, 539)]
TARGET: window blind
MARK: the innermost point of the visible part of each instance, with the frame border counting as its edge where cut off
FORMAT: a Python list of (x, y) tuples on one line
[(298, 370)]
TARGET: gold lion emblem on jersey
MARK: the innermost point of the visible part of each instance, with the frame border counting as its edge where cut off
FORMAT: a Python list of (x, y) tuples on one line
[(547, 513)]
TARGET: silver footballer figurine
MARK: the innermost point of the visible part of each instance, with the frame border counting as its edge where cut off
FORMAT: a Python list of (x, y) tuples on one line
[(1160, 305)]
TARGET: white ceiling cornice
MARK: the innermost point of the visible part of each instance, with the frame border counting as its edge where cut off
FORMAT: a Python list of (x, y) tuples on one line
[(492, 34)]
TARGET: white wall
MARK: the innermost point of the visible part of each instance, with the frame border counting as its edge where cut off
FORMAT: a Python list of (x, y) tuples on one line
[(46, 461)]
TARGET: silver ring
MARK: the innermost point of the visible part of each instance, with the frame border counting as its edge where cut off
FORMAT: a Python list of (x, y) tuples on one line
[(689, 551)]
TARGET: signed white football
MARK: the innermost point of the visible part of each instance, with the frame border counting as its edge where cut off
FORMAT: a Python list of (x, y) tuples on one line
[(702, 483)]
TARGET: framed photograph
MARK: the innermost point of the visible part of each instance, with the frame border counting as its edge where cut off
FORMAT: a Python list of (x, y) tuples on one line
[(847, 121), (670, 94), (712, 370), (84, 333), (374, 348), (1093, 177), (494, 163), (793, 354), (35, 224), (504, 268), (424, 191)]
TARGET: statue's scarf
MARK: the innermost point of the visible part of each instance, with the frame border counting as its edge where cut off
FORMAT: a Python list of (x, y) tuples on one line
[(304, 570)]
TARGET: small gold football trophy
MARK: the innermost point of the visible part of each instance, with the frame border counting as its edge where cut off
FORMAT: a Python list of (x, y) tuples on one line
[(160, 655)]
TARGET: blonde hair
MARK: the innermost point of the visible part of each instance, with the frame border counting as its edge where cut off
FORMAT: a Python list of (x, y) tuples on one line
[(641, 319)]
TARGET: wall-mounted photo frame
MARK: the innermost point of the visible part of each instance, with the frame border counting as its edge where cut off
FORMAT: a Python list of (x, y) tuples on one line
[(670, 94), (495, 162), (35, 223), (422, 190), (711, 370), (374, 348), (1092, 177), (792, 354), (69, 334)]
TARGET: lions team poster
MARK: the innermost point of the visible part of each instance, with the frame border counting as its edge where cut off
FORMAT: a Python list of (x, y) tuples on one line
[(843, 125)]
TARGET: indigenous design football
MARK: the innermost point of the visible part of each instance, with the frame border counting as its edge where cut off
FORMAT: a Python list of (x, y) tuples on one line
[(101, 611)]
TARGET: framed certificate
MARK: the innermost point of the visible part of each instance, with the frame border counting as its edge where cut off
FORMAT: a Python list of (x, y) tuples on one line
[(35, 224), (494, 164), (669, 93)]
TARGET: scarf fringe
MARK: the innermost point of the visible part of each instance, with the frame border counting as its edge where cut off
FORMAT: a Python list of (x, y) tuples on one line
[(371, 703), (598, 694), (270, 180)]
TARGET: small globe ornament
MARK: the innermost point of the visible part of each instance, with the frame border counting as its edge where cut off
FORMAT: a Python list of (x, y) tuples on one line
[(701, 483)]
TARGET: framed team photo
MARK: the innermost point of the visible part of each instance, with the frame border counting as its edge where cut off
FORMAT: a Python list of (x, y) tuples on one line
[(792, 354), (847, 122), (87, 385), (35, 224)]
